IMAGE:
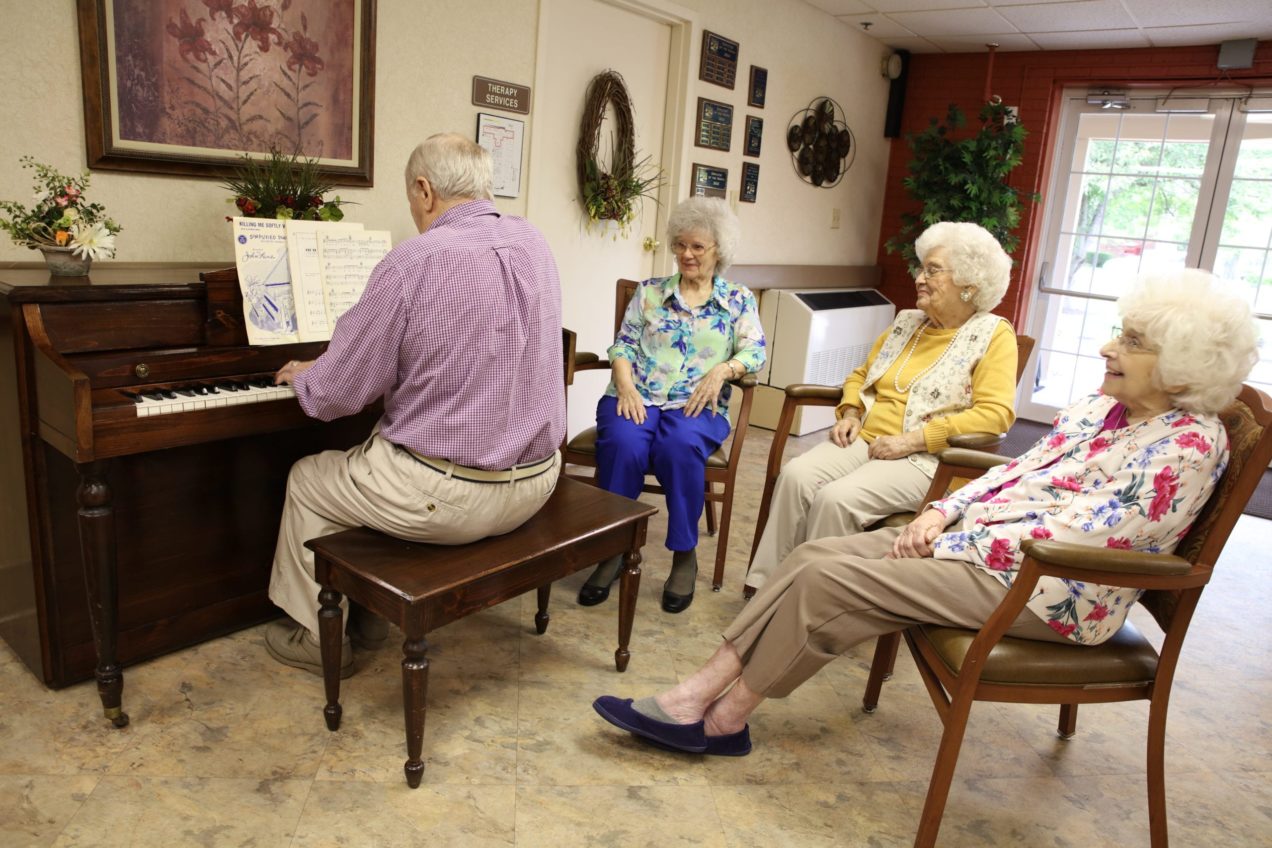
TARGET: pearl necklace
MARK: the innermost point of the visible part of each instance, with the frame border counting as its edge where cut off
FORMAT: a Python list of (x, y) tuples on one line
[(918, 334)]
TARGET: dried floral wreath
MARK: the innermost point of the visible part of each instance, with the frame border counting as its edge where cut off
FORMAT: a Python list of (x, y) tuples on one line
[(612, 195)]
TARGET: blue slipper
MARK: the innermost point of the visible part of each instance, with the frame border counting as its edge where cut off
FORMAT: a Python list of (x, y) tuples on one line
[(687, 738), (729, 745)]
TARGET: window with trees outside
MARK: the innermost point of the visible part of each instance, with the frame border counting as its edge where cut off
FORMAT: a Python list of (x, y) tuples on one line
[(1177, 179)]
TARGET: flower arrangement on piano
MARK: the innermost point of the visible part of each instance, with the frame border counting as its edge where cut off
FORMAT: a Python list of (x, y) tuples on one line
[(279, 186), (60, 216)]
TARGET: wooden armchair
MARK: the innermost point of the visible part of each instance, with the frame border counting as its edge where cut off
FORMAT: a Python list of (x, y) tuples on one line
[(810, 394), (962, 666), (722, 466)]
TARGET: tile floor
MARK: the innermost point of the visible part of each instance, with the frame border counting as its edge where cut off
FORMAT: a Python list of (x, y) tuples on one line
[(228, 748)]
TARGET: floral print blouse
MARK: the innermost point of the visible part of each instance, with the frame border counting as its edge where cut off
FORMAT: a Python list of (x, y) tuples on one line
[(1138, 487), (672, 346)]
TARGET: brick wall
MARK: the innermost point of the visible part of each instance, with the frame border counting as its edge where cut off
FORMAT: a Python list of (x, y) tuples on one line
[(1033, 81)]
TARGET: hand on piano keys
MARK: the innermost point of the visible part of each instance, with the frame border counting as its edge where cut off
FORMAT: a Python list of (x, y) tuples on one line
[(207, 395), (287, 374)]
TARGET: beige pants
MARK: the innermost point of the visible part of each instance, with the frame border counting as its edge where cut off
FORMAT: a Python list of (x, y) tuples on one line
[(832, 491), (831, 594), (379, 485)]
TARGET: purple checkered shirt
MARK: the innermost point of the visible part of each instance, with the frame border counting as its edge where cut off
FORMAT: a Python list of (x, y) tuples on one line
[(460, 330)]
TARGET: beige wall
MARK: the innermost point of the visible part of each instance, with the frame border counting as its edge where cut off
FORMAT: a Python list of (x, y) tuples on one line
[(427, 53)]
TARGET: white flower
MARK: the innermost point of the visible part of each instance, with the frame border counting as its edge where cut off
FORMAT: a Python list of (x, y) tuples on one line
[(92, 242), (40, 196)]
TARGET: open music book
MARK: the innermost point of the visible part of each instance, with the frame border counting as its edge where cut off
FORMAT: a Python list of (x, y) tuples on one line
[(299, 277)]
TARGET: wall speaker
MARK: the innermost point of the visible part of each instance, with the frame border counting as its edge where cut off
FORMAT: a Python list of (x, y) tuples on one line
[(1236, 54), (896, 97)]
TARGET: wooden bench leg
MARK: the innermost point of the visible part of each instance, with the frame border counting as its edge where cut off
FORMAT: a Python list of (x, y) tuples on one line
[(541, 617), (414, 693), (628, 589), (329, 644)]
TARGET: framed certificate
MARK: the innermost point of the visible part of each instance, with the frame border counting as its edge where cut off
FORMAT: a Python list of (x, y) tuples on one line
[(750, 182), (715, 124), (709, 181), (754, 132), (719, 60), (758, 87)]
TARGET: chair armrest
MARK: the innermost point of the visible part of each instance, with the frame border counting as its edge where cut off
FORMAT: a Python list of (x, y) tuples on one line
[(814, 392), (585, 357), (965, 458), (1057, 557), (978, 441), (746, 381)]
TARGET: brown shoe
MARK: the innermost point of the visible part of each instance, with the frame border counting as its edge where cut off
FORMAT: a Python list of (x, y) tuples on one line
[(292, 645)]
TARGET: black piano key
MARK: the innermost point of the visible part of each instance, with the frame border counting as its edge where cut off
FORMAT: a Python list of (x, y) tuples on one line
[(168, 394), (228, 386), (184, 391), (200, 389), (260, 382), (133, 396), (152, 395)]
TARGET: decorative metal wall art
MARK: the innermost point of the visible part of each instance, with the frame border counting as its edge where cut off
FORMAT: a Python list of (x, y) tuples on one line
[(821, 144)]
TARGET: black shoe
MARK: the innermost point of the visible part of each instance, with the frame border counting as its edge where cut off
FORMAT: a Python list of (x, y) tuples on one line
[(590, 596), (673, 603)]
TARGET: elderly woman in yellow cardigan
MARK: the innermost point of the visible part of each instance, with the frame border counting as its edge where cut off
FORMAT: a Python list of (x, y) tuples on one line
[(946, 368)]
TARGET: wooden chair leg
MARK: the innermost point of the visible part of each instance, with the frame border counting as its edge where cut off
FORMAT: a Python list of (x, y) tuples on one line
[(1068, 721), (541, 617), (722, 540), (885, 658), (414, 697), (943, 771), (330, 640), (711, 515), (1157, 836)]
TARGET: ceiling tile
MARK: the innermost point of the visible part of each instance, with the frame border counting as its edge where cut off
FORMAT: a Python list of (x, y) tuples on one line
[(1090, 40), (842, 7), (947, 23), (1007, 43), (924, 5), (1180, 36), (881, 26), (1068, 17), (912, 43), (1172, 13)]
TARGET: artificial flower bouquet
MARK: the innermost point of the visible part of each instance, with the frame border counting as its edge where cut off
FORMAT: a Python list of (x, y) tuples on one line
[(60, 216), (281, 186)]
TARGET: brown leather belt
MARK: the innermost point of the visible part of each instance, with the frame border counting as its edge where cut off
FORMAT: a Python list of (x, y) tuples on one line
[(481, 475)]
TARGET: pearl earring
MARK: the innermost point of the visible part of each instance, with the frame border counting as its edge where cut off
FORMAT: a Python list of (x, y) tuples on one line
[(965, 296)]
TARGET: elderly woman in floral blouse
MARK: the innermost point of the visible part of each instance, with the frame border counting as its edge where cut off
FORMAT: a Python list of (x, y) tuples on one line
[(1130, 467), (666, 409)]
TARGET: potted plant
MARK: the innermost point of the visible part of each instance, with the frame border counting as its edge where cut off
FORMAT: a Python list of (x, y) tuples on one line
[(61, 223), (964, 179), (279, 186)]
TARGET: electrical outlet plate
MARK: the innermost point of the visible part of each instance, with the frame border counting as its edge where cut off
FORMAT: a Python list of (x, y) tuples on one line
[(834, 218)]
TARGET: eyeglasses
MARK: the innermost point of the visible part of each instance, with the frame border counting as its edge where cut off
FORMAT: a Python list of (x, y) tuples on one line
[(1130, 342), (931, 271), (695, 248)]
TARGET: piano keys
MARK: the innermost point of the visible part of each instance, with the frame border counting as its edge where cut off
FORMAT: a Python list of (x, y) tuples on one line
[(146, 452)]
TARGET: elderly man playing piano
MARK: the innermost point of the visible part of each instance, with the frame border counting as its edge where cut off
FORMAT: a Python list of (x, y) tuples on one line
[(459, 331)]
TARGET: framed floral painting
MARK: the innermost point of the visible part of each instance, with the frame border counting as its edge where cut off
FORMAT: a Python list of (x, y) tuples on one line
[(188, 86)]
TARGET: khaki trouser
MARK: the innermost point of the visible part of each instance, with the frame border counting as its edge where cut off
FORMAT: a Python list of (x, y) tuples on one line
[(832, 491), (380, 485), (831, 594)]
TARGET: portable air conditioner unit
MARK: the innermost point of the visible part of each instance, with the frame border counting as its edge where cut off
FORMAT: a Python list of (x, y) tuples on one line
[(816, 336)]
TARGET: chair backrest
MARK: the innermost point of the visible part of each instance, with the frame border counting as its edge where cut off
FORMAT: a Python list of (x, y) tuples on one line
[(1024, 347), (568, 343), (623, 292), (1248, 422)]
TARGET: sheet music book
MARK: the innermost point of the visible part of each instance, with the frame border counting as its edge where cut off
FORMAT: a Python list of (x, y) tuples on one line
[(298, 277)]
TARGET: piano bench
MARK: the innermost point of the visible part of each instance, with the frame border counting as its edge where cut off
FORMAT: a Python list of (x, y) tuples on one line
[(421, 587)]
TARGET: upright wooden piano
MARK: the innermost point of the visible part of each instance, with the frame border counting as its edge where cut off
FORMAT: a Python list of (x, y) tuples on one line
[(143, 462)]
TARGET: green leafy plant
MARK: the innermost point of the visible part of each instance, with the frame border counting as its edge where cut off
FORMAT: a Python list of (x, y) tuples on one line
[(60, 216), (964, 179), (279, 186), (613, 194)]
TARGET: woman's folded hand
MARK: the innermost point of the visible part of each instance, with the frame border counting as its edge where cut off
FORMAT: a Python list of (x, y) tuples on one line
[(916, 537), (896, 447), (630, 404), (845, 431), (704, 396)]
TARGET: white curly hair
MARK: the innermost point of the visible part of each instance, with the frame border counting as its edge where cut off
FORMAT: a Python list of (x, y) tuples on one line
[(973, 255), (714, 216), (1205, 336)]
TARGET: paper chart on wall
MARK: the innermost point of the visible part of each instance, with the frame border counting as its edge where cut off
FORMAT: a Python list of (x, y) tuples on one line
[(260, 254), (312, 323), (347, 261)]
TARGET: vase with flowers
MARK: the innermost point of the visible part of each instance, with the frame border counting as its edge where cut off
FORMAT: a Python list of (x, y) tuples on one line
[(279, 186), (70, 231)]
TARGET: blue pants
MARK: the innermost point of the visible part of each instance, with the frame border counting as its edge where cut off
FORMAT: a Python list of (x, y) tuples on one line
[(671, 445)]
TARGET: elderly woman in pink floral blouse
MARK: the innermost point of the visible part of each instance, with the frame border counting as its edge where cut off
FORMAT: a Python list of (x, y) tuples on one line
[(1130, 467)]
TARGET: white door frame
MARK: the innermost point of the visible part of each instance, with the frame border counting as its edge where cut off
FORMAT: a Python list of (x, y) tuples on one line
[(677, 114)]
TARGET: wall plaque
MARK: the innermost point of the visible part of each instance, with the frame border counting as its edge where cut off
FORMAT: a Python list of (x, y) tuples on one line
[(719, 60), (715, 124), (496, 94), (750, 182), (754, 131), (759, 87), (708, 181)]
